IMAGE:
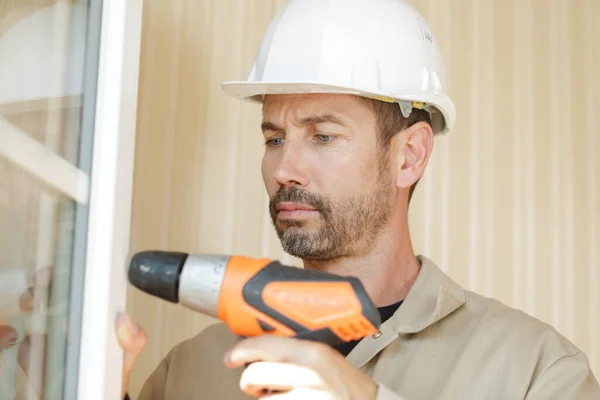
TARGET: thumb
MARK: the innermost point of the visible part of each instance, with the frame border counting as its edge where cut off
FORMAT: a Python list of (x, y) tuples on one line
[(132, 339)]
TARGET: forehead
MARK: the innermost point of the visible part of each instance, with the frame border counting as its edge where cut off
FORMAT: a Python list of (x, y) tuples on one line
[(296, 106)]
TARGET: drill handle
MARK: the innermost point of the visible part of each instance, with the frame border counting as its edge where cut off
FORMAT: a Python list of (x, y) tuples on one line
[(306, 304)]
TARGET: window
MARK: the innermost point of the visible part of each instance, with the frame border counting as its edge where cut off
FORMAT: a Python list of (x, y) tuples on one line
[(58, 120)]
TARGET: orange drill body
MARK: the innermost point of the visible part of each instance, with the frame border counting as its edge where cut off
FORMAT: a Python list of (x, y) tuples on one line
[(260, 296)]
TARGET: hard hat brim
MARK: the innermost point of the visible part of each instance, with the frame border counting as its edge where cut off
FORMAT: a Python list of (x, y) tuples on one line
[(255, 92)]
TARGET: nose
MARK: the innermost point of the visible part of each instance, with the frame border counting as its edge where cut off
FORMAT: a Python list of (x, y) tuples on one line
[(290, 169)]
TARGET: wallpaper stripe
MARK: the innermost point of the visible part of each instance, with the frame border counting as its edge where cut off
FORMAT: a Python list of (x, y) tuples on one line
[(234, 166), (517, 145), (568, 150), (529, 128), (556, 161), (474, 242), (487, 128), (592, 182)]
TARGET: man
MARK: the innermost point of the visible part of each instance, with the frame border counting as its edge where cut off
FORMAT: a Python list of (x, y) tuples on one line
[(353, 93)]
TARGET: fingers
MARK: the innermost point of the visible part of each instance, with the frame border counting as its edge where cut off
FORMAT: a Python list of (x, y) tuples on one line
[(261, 377), (291, 366), (131, 337), (301, 394), (132, 340), (278, 349)]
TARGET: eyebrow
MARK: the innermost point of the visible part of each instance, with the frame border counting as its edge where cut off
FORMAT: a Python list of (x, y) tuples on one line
[(312, 120)]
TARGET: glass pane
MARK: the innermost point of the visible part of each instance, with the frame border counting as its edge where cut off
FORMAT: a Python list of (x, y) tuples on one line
[(42, 49), (35, 265), (48, 52)]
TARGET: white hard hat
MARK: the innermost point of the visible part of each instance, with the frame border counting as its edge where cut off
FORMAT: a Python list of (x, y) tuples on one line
[(381, 49)]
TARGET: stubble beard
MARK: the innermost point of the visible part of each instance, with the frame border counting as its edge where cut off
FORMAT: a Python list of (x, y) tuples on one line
[(346, 226)]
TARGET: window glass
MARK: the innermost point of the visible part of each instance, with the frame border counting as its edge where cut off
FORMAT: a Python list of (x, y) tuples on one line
[(47, 91)]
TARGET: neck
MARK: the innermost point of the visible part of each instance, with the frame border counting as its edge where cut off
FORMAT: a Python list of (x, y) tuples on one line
[(387, 270)]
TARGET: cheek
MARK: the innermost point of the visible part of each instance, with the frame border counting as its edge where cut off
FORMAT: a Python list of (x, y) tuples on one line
[(346, 175)]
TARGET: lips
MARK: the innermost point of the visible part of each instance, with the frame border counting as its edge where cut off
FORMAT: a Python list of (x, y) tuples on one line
[(294, 211), (294, 207)]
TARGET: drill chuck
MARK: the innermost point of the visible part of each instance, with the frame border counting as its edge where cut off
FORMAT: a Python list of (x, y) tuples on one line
[(157, 273), (193, 280)]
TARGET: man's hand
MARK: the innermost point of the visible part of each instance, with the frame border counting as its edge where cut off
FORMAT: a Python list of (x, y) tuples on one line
[(132, 340), (297, 369)]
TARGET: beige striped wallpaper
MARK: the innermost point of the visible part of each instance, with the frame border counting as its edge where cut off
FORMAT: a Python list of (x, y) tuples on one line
[(508, 205)]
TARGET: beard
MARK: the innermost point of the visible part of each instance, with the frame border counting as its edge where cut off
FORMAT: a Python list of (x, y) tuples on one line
[(345, 227)]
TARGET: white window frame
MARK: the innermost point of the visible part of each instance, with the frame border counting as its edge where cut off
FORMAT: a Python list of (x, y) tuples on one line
[(108, 192), (100, 361)]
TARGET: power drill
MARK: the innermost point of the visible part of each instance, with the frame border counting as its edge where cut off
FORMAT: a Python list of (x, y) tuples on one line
[(259, 296)]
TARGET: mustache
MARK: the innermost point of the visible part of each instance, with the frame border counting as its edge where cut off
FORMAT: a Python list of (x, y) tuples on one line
[(296, 195)]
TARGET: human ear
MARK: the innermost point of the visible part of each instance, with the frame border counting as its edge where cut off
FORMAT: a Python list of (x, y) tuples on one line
[(415, 145)]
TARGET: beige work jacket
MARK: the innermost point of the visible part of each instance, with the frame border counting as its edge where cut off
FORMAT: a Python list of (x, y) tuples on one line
[(442, 343)]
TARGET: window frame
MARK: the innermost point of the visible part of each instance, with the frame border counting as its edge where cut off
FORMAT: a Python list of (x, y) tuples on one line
[(101, 186), (111, 186)]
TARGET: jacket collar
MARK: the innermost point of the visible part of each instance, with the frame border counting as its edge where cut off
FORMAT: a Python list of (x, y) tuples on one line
[(432, 297)]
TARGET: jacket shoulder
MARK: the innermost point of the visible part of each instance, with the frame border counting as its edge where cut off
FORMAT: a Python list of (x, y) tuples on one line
[(516, 328), (555, 366)]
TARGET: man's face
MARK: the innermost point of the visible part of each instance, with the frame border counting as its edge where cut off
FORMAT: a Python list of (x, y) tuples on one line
[(328, 182)]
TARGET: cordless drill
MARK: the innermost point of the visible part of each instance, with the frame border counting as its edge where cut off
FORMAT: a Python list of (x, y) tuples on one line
[(259, 296)]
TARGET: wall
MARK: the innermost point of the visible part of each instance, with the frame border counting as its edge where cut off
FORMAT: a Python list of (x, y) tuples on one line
[(507, 207)]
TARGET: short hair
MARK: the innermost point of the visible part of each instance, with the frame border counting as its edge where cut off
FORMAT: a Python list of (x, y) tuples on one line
[(390, 122)]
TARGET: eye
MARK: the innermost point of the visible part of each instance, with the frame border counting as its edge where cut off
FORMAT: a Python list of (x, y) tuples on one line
[(275, 142), (324, 138)]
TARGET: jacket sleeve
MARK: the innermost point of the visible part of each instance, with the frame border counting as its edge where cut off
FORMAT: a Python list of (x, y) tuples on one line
[(155, 385), (569, 378)]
